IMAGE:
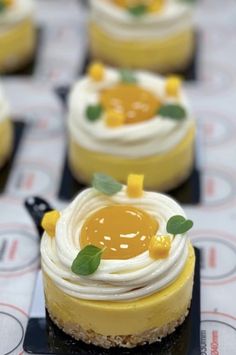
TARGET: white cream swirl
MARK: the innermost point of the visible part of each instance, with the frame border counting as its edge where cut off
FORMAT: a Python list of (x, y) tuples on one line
[(4, 106), (115, 280), (175, 17), (147, 138), (18, 11)]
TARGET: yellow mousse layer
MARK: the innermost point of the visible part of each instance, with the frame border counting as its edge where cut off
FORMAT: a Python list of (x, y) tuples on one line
[(123, 318), (6, 138), (162, 171), (162, 55), (17, 44)]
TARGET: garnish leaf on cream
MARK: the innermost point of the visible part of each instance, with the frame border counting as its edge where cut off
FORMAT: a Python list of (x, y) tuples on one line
[(174, 111), (87, 260), (106, 184), (93, 112), (178, 225), (138, 10), (2, 6), (127, 76)]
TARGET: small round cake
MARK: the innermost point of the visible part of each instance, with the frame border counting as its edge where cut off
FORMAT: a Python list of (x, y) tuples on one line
[(117, 264), (142, 34), (123, 122), (17, 34), (6, 131)]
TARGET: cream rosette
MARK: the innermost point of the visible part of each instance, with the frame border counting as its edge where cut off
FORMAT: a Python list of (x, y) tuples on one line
[(154, 136), (114, 280)]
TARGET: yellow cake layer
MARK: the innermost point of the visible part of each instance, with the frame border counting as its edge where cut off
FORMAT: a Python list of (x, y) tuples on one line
[(123, 318), (162, 171), (17, 44), (163, 55), (6, 140)]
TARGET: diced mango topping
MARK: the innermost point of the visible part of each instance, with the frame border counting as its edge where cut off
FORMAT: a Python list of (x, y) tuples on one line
[(159, 247), (96, 71), (173, 86), (135, 185), (156, 5), (8, 2), (49, 222), (114, 118)]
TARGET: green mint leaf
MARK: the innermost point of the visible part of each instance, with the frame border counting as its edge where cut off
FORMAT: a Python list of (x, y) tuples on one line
[(87, 261), (138, 10), (93, 112), (128, 76), (2, 6), (178, 225), (173, 111), (106, 184)]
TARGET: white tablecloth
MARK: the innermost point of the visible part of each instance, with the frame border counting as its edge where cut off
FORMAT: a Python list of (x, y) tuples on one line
[(38, 165)]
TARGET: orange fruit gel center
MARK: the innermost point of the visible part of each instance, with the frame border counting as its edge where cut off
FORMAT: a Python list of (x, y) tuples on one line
[(124, 231), (137, 104)]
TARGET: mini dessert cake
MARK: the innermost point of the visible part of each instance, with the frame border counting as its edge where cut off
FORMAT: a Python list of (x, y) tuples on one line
[(121, 122), (117, 264), (6, 132), (142, 34), (17, 34)]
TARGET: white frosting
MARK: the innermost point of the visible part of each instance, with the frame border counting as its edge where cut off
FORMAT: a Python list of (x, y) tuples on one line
[(4, 106), (20, 10), (175, 17), (115, 280), (147, 138)]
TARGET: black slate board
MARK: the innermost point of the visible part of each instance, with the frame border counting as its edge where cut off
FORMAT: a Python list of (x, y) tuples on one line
[(44, 337), (18, 128)]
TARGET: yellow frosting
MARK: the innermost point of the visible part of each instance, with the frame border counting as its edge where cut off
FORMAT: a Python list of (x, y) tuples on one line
[(124, 318), (162, 171), (18, 43), (161, 54)]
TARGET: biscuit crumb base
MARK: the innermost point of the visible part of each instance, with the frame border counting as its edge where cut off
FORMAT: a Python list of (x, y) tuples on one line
[(125, 341)]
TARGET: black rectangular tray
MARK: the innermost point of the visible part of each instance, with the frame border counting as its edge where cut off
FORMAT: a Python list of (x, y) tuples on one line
[(18, 127), (44, 337)]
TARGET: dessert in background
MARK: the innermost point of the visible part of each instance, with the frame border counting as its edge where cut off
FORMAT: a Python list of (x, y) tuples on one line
[(117, 264), (123, 122), (6, 131), (155, 35), (17, 34)]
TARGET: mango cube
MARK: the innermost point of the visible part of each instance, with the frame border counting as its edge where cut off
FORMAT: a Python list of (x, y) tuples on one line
[(156, 5), (114, 118), (96, 71), (173, 86), (159, 246), (135, 185), (49, 222)]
